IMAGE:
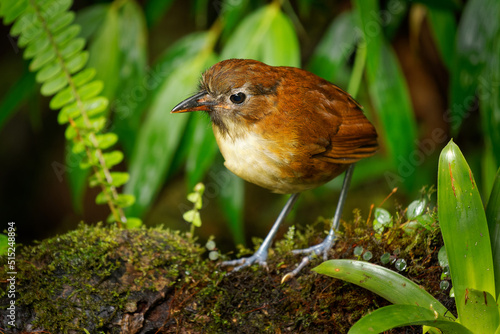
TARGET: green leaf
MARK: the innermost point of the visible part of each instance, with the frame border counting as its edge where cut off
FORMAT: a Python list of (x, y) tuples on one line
[(155, 9), (202, 151), (416, 208), (232, 14), (196, 219), (4, 244), (474, 48), (135, 75), (95, 106), (27, 23), (77, 62), (106, 140), (54, 85), (107, 64), (493, 218), (64, 36), (125, 200), (464, 228), (12, 12), (444, 29), (112, 158), (97, 124), (78, 147), (133, 222), (70, 133), (18, 93), (489, 96), (90, 19), (65, 96), (392, 316), (386, 283), (372, 32), (90, 90), (382, 219), (97, 179), (266, 35), (101, 198), (51, 9), (391, 99), (335, 47), (76, 176), (189, 215), (281, 47), (59, 22), (70, 49), (83, 77), (41, 59), (70, 111), (119, 178), (194, 198), (48, 71), (480, 312), (30, 35), (390, 95), (38, 46), (92, 107), (232, 197), (161, 131)]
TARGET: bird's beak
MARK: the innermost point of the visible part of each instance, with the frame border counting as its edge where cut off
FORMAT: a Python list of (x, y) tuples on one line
[(198, 102)]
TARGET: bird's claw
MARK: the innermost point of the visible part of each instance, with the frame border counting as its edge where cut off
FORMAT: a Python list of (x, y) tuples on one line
[(246, 262), (311, 252)]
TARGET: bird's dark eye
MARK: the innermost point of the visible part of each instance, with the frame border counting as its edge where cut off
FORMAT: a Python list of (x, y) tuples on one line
[(238, 98)]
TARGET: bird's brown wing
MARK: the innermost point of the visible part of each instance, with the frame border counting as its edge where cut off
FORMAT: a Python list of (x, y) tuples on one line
[(351, 137)]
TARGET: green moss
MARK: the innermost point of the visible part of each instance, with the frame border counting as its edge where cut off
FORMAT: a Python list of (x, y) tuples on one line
[(86, 277), (95, 278)]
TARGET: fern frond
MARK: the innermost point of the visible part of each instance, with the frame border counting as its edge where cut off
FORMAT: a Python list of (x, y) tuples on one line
[(45, 28)]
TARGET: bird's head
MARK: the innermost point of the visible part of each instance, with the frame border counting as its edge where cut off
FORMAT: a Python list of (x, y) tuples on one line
[(235, 93)]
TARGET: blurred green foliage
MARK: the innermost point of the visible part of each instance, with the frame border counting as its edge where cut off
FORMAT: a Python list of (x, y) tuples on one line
[(46, 31), (157, 145)]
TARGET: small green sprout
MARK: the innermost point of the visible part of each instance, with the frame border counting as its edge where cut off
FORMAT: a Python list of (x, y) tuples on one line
[(193, 216)]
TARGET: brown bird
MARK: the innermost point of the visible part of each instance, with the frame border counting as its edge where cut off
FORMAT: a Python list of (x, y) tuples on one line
[(284, 129)]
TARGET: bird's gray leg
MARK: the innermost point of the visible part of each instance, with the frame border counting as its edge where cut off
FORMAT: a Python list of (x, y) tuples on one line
[(260, 256), (327, 243)]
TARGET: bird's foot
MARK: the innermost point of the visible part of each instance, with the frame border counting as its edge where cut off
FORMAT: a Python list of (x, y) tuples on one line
[(259, 257), (311, 252)]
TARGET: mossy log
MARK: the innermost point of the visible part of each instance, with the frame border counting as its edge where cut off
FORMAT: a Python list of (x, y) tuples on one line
[(151, 280)]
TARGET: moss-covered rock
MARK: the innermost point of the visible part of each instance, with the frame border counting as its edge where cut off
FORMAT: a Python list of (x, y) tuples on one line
[(107, 280)]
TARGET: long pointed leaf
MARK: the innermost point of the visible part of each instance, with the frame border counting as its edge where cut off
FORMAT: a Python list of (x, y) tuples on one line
[(386, 283), (133, 51), (463, 224), (104, 52), (203, 150), (154, 9), (493, 217), (18, 92), (477, 32), (489, 91), (390, 95), (232, 201), (444, 29), (393, 316), (480, 312), (266, 35), (335, 47)]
